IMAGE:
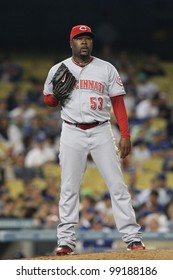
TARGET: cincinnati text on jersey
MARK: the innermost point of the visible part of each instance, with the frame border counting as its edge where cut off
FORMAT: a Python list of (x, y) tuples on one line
[(89, 84)]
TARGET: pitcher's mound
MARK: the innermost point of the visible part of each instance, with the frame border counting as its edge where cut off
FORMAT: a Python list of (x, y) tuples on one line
[(148, 254)]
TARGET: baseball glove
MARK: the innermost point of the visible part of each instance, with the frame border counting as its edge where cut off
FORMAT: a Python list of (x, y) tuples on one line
[(63, 82)]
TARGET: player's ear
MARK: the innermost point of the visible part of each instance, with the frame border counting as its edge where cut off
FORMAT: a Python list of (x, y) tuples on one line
[(70, 44)]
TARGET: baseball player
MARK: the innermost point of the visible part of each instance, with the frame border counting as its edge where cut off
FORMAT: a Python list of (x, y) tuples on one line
[(86, 129)]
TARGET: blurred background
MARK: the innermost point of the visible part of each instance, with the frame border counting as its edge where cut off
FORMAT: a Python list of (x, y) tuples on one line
[(137, 38)]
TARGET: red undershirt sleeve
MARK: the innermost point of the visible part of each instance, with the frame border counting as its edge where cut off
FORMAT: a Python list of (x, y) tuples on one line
[(121, 115), (50, 100)]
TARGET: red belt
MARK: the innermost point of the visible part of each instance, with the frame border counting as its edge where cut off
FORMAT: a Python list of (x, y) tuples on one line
[(85, 125)]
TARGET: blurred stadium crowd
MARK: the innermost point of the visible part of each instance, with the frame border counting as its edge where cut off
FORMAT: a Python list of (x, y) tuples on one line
[(29, 147)]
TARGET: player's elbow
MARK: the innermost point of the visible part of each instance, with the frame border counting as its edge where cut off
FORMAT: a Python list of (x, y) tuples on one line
[(50, 100)]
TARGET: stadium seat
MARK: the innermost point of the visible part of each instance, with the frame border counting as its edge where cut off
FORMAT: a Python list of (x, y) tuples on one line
[(152, 164), (51, 169), (15, 186)]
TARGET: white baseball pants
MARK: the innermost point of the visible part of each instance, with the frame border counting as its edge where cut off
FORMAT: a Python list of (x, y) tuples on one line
[(75, 144)]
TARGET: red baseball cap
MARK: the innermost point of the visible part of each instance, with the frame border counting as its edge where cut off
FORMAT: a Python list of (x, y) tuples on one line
[(81, 29)]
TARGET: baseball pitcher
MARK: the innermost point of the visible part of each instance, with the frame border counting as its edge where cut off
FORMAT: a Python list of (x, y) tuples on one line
[(86, 87)]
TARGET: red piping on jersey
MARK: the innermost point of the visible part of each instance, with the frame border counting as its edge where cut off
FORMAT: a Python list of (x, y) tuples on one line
[(121, 115), (50, 100)]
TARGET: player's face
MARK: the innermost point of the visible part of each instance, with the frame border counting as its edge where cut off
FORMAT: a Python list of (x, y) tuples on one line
[(82, 46)]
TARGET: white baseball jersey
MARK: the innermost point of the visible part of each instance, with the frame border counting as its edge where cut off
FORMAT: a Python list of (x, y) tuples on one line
[(90, 99)]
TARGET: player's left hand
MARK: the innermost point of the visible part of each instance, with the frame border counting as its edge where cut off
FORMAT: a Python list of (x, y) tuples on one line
[(63, 82), (124, 147)]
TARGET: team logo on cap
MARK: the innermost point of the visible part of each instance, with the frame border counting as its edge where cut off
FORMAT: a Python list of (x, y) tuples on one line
[(83, 27)]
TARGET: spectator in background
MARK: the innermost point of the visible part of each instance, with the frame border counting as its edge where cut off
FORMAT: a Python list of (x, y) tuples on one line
[(36, 126), (40, 154), (49, 193), (23, 108), (165, 191), (22, 172), (142, 131), (87, 211), (147, 108), (13, 98), (34, 94), (98, 244), (152, 205), (15, 133), (145, 89), (152, 66), (156, 222), (158, 183), (132, 182), (140, 151), (159, 145), (105, 209), (10, 71), (93, 218), (41, 213)]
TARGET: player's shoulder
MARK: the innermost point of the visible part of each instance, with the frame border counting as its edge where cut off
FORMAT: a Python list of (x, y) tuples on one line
[(103, 63)]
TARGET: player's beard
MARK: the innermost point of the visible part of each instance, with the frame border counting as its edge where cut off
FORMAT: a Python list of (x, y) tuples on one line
[(85, 55)]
